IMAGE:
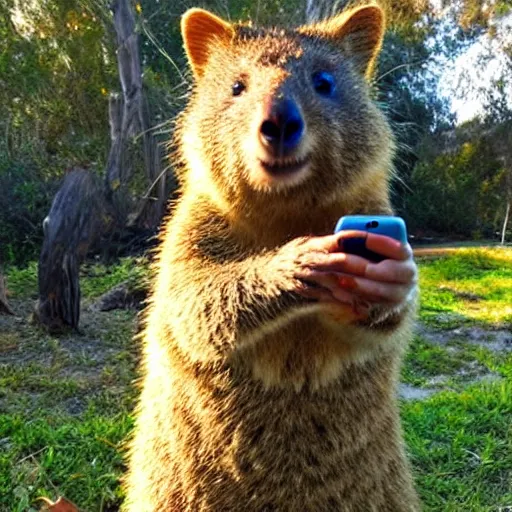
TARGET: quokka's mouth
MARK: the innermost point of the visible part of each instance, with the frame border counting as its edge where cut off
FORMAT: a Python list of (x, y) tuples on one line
[(282, 166)]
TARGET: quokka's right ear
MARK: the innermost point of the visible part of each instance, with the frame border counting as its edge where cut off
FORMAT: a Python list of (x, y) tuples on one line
[(357, 31), (201, 29)]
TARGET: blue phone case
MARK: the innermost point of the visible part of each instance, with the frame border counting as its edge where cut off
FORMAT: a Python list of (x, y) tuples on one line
[(381, 224)]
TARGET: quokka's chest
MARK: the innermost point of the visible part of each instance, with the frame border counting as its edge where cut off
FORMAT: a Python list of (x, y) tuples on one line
[(310, 351)]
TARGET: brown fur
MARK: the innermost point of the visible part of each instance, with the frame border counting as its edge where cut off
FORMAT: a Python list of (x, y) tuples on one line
[(254, 398)]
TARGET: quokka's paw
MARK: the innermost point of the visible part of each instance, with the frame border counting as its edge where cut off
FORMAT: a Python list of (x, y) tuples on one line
[(352, 288)]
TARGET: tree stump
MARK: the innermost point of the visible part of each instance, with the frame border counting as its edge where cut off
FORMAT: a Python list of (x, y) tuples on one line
[(76, 220), (4, 306)]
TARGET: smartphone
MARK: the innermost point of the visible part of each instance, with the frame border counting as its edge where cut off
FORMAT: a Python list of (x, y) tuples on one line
[(381, 224)]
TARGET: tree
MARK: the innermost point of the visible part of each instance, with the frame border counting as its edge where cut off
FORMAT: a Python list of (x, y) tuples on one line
[(82, 211), (495, 94), (57, 65)]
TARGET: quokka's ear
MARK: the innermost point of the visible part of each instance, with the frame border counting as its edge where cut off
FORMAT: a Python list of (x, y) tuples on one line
[(358, 31), (200, 29)]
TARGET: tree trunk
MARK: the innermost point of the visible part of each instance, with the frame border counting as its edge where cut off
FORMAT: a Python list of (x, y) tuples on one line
[(129, 116), (505, 223), (76, 220)]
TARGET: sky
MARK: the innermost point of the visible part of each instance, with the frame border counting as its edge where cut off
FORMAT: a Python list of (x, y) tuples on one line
[(465, 70)]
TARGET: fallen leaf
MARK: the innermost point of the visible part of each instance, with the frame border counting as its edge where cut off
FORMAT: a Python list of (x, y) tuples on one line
[(61, 505)]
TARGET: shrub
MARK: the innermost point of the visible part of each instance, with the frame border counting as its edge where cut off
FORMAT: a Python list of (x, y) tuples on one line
[(457, 192)]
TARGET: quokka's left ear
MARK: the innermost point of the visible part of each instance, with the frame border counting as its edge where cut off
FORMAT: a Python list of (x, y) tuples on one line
[(358, 32)]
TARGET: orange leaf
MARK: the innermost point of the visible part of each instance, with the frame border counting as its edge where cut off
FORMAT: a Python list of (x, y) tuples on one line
[(61, 505)]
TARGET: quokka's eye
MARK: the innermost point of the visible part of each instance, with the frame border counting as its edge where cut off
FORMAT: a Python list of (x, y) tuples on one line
[(238, 88), (324, 83)]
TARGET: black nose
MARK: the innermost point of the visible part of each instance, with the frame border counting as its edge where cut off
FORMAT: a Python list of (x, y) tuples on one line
[(283, 128)]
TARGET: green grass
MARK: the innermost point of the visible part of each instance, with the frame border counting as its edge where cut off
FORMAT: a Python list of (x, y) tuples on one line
[(98, 279), (486, 273), (22, 282), (460, 442), (50, 454), (66, 402), (461, 448), (425, 361), (95, 279), (456, 360)]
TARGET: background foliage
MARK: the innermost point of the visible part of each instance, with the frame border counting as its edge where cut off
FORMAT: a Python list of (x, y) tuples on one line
[(66, 401), (58, 67)]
